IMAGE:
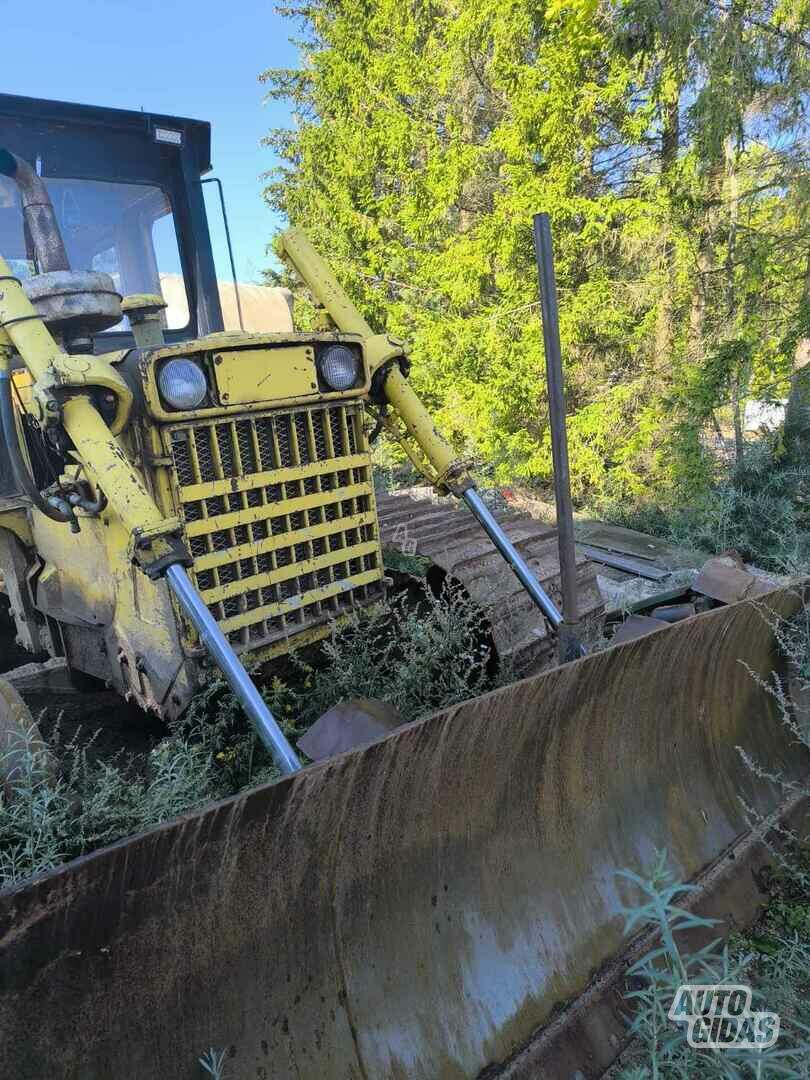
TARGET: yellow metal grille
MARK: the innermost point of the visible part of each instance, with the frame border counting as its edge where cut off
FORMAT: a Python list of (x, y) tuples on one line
[(279, 515)]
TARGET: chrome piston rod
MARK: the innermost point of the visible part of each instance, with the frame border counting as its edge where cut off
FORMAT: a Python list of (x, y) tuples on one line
[(231, 667), (505, 546)]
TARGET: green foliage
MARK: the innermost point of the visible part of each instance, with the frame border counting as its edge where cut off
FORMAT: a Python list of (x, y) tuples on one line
[(415, 565), (760, 508), (418, 659), (772, 959), (666, 142), (49, 819)]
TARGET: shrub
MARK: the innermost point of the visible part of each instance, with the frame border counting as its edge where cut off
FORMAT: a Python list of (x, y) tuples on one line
[(417, 658), (759, 508), (48, 819)]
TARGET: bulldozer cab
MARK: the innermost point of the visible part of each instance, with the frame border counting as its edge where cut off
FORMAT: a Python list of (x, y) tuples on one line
[(126, 192)]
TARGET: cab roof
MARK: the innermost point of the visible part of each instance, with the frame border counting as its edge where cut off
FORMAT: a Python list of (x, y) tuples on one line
[(196, 132)]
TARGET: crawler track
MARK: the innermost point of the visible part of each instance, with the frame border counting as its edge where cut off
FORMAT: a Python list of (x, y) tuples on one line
[(457, 546)]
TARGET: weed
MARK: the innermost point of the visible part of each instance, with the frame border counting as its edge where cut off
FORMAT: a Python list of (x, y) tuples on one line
[(759, 508), (402, 563), (778, 979), (213, 1061), (50, 818), (418, 659), (791, 693)]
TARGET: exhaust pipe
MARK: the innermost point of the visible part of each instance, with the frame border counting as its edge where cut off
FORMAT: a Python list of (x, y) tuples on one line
[(38, 212)]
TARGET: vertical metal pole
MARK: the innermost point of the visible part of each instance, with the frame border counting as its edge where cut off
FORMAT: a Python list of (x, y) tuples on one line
[(216, 180), (556, 404)]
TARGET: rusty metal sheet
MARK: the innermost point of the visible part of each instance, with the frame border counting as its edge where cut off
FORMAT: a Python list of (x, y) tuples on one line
[(639, 545), (347, 725), (413, 910), (720, 579), (637, 567), (455, 544), (636, 626)]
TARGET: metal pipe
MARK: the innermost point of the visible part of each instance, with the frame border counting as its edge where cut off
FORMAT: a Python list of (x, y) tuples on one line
[(9, 439), (216, 180), (556, 405), (322, 283), (505, 546), (231, 667), (38, 211), (630, 565)]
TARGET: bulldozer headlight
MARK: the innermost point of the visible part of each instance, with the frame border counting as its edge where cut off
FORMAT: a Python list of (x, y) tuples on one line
[(182, 384), (339, 367)]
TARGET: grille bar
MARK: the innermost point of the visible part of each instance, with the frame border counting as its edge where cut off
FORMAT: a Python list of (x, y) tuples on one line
[(293, 603), (306, 566), (283, 509), (265, 479), (273, 543), (279, 513)]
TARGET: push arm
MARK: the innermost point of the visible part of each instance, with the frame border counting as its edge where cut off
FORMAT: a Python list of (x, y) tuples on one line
[(390, 386)]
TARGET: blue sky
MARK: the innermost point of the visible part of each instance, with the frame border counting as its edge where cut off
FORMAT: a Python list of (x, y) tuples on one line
[(192, 58)]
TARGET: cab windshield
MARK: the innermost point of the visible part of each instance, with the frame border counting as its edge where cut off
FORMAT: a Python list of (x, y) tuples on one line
[(124, 230)]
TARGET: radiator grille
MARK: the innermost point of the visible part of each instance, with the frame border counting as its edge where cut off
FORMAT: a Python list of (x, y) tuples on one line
[(279, 515)]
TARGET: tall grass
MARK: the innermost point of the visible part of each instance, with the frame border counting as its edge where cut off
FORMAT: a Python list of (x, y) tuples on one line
[(760, 507), (48, 819)]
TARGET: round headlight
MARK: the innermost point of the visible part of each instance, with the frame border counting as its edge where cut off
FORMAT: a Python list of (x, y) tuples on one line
[(340, 367), (182, 384)]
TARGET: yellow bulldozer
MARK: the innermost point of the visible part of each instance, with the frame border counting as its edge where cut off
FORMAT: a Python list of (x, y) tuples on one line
[(441, 903), (170, 490)]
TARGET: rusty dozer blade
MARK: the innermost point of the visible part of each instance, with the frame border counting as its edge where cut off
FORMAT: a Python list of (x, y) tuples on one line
[(418, 908)]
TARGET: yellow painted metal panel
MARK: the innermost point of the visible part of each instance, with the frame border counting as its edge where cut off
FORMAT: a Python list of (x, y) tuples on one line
[(14, 516), (281, 509), (23, 385), (273, 543), (250, 375), (293, 603), (228, 486), (285, 573)]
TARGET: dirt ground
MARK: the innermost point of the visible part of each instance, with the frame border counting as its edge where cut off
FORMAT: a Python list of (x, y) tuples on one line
[(99, 715)]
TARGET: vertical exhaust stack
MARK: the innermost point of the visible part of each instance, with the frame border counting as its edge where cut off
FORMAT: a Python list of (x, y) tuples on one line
[(40, 219), (73, 304)]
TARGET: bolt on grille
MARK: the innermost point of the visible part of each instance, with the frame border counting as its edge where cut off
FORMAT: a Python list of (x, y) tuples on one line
[(280, 518)]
